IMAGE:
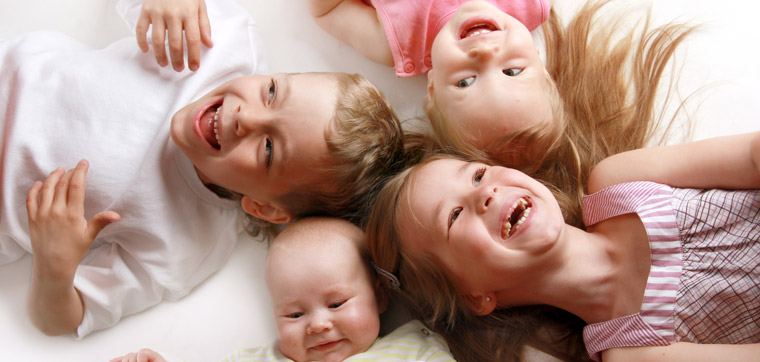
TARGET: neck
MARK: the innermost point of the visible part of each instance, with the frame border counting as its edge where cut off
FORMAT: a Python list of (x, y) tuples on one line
[(587, 274)]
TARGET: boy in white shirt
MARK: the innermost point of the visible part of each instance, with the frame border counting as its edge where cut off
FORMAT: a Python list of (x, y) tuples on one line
[(168, 167)]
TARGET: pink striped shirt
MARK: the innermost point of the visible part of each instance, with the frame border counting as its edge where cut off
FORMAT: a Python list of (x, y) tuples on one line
[(698, 239)]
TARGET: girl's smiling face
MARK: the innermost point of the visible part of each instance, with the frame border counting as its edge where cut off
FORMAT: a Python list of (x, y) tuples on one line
[(487, 72), (478, 222)]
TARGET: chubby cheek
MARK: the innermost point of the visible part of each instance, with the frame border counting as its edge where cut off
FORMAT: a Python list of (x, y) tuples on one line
[(290, 340), (362, 326)]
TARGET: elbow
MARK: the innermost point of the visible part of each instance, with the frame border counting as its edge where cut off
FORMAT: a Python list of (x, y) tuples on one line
[(754, 151), (52, 323), (320, 8), (52, 330)]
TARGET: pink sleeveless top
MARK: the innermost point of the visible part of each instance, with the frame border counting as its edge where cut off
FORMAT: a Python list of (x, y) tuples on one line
[(704, 282)]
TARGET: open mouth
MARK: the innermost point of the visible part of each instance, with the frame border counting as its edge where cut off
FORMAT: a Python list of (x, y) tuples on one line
[(209, 125), (515, 217), (477, 27)]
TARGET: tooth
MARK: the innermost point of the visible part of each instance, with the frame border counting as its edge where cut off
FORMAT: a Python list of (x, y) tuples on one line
[(506, 229), (522, 218)]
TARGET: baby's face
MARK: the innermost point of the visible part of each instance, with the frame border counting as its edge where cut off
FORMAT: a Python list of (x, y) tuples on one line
[(324, 302), (259, 135), (487, 77), (478, 222)]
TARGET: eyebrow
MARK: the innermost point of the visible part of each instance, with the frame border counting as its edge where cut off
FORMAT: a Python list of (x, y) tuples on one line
[(463, 168)]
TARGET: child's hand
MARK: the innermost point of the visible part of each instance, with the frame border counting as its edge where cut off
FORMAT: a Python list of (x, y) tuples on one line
[(174, 16), (60, 235), (143, 355)]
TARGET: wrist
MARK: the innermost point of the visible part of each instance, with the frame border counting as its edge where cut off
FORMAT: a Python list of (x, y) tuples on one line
[(53, 276)]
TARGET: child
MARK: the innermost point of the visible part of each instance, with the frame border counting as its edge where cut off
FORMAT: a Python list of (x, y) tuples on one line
[(401, 33), (325, 304), (174, 174), (490, 95), (659, 269)]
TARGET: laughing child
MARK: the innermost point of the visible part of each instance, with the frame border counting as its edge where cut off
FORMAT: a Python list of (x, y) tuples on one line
[(167, 160)]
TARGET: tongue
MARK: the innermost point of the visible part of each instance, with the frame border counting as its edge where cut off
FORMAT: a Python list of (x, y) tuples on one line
[(207, 127)]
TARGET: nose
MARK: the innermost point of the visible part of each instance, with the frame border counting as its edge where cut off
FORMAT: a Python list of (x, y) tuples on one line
[(246, 121), (484, 51), (483, 198), (320, 322)]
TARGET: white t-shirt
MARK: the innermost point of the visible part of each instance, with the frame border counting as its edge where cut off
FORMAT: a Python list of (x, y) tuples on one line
[(61, 101)]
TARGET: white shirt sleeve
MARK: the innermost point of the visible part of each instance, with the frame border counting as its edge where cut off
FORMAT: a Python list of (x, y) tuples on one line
[(112, 284)]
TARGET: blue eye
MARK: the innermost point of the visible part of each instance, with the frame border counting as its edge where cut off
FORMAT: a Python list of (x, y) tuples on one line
[(272, 90), (479, 173), (512, 71), (464, 83)]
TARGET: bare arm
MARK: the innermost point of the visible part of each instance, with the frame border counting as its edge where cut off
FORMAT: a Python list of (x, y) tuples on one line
[(729, 162), (54, 305), (687, 352), (354, 23), (60, 237)]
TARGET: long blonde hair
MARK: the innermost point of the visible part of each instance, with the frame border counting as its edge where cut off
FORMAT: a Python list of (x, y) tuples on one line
[(603, 92)]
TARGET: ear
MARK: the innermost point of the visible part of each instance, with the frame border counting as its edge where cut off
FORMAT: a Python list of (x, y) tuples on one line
[(430, 82), (266, 211), (381, 294), (481, 304)]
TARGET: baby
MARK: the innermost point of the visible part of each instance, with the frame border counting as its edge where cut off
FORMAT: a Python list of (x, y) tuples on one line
[(326, 302)]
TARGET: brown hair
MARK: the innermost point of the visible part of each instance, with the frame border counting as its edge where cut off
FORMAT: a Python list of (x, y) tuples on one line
[(603, 95), (365, 145), (427, 291)]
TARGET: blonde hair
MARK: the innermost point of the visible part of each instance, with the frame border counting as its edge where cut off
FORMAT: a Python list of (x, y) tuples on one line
[(427, 291), (365, 145), (603, 96)]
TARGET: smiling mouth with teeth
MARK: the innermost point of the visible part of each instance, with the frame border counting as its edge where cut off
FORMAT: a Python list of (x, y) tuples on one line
[(477, 29), (209, 125), (515, 218), (216, 124)]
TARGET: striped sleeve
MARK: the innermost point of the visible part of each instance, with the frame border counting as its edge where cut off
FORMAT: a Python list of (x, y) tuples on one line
[(409, 342)]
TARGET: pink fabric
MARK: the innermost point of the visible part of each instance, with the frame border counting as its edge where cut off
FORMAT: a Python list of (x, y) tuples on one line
[(704, 282), (411, 26)]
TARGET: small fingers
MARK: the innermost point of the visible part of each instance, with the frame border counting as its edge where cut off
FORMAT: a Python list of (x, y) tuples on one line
[(141, 31), (99, 221), (61, 197), (174, 28), (76, 187), (47, 193), (193, 38), (32, 199), (158, 38), (205, 26)]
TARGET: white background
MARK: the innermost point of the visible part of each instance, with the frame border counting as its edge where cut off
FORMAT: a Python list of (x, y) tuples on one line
[(231, 309)]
